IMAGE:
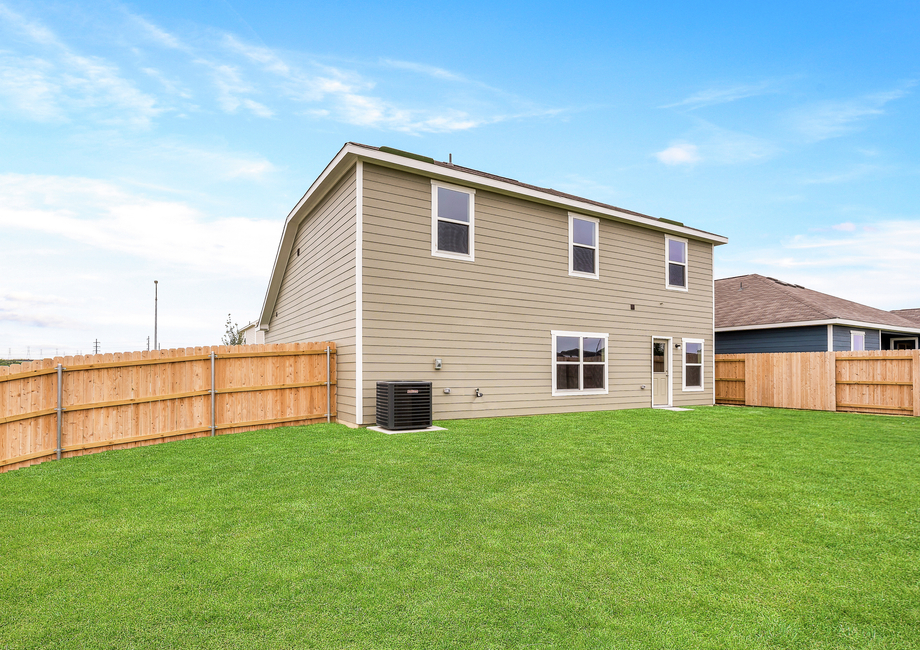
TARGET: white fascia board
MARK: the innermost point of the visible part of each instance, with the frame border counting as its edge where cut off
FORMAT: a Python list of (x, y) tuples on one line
[(503, 187), (828, 321)]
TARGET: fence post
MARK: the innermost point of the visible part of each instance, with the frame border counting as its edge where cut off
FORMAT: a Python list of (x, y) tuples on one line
[(328, 388), (213, 395), (60, 406), (915, 379)]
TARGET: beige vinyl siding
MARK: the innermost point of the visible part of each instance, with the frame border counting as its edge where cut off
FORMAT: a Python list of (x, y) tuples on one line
[(490, 320), (316, 300)]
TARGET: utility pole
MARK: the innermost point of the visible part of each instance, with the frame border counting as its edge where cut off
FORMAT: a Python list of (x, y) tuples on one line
[(155, 298), (148, 344), (96, 347)]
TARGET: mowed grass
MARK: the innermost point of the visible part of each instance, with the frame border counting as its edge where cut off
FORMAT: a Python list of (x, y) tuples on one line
[(717, 528)]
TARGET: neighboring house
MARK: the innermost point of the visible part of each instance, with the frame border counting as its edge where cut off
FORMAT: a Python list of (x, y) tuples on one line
[(541, 301), (760, 314), (252, 334)]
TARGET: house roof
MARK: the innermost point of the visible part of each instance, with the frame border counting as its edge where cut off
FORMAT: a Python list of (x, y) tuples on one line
[(755, 302), (387, 157), (910, 314), (545, 190)]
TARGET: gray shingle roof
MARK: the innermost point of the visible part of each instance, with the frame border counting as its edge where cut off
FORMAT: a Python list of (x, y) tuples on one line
[(909, 314), (547, 190), (758, 300)]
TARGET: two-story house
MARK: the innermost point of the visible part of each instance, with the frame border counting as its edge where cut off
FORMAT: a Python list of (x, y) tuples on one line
[(512, 299)]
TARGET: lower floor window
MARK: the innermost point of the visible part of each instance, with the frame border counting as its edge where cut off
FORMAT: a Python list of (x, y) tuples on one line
[(579, 362), (857, 341), (693, 364)]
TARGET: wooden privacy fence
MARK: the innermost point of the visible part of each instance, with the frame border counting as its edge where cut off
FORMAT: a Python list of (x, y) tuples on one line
[(877, 381), (69, 406)]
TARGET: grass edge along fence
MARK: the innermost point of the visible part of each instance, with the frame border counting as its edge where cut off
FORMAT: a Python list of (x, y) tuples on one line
[(883, 382), (69, 406)]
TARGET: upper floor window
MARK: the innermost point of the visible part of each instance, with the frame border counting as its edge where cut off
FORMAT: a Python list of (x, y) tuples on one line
[(583, 249), (693, 364), (857, 340), (452, 221), (676, 263), (579, 363)]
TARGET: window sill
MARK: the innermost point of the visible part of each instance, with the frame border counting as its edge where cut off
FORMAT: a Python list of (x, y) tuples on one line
[(589, 276), (453, 256), (673, 288), (570, 393), (693, 390)]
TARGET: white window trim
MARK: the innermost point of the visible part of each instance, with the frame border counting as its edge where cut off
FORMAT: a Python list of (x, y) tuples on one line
[(597, 247), (915, 339), (853, 334), (434, 222), (667, 261), (581, 391), (683, 365)]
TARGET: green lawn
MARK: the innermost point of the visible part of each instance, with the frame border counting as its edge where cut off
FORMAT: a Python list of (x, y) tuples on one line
[(717, 528)]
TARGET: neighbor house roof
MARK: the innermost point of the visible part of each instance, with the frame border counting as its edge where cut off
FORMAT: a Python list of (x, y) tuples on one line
[(910, 314), (758, 302), (446, 171)]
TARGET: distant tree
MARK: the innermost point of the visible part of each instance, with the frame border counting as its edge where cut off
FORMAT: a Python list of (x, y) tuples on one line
[(233, 336)]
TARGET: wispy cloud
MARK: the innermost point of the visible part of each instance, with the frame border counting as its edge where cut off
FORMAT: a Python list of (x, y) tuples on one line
[(221, 164), (231, 89), (25, 308), (714, 145), (872, 262), (60, 82), (421, 68), (832, 119), (106, 216), (857, 171), (682, 153), (348, 96), (57, 83), (712, 96), (156, 33)]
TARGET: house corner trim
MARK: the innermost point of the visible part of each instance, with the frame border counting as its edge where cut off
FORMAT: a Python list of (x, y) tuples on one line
[(359, 293)]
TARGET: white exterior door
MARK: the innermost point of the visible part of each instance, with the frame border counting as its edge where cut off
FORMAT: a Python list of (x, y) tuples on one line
[(661, 372)]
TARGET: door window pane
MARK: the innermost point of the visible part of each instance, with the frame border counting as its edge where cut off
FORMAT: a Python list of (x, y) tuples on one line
[(453, 205), (658, 357)]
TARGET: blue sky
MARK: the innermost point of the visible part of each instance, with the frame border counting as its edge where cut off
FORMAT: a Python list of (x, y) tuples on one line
[(169, 140)]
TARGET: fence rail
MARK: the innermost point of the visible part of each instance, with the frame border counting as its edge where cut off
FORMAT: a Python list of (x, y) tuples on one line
[(68, 406), (877, 381)]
